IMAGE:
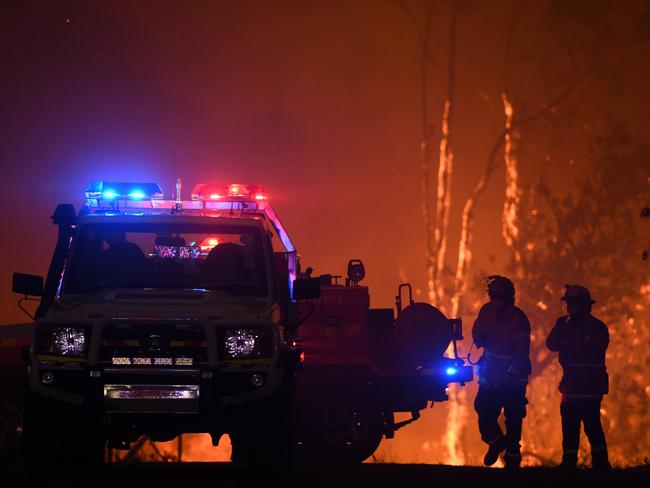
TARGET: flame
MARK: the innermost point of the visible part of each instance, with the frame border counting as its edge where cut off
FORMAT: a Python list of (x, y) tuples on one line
[(443, 204), (456, 420), (510, 229), (199, 448), (208, 243), (644, 290), (185, 448), (464, 253)]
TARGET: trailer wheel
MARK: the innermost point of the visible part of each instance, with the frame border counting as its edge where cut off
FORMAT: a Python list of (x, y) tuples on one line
[(351, 432)]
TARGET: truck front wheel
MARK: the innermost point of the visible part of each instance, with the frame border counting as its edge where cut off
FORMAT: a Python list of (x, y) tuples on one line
[(264, 446), (11, 428), (264, 434), (61, 437)]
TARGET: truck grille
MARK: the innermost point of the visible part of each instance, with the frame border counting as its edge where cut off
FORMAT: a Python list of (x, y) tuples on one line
[(144, 344)]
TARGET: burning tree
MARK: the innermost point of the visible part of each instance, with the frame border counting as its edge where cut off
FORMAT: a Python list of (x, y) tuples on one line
[(541, 264), (446, 286)]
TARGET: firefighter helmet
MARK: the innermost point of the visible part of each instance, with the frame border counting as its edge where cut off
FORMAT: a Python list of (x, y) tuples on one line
[(577, 292)]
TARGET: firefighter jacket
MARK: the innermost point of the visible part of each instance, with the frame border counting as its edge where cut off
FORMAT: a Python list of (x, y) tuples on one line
[(505, 339), (582, 343)]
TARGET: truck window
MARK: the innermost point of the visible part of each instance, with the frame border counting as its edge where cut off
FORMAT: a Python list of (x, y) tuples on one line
[(169, 255)]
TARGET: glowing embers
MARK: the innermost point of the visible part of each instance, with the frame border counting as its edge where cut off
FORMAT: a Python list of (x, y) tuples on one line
[(155, 361), (151, 392), (178, 252), (209, 192)]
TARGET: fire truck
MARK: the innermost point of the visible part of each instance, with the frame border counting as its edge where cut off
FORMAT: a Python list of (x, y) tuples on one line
[(160, 317)]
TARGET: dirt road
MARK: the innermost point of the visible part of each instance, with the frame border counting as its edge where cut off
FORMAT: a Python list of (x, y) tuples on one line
[(366, 475)]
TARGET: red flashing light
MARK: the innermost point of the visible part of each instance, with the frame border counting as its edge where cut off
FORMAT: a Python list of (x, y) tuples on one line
[(209, 243), (209, 192)]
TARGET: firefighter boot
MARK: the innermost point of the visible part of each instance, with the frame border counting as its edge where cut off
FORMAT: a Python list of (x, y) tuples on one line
[(569, 463), (512, 460), (496, 448), (600, 461)]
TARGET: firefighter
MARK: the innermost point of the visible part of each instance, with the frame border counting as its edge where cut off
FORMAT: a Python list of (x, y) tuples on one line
[(581, 339), (503, 331)]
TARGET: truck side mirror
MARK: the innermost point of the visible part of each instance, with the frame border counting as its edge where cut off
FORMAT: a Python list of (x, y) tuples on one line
[(27, 284), (306, 289)]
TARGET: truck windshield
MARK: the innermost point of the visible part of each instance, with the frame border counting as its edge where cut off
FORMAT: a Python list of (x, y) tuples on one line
[(169, 255)]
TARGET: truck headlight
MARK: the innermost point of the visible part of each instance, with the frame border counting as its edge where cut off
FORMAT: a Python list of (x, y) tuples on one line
[(247, 343), (61, 341)]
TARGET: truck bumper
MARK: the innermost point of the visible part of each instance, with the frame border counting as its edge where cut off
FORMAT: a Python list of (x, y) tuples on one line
[(155, 391)]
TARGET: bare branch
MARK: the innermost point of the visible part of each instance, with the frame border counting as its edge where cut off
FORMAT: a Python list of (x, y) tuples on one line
[(464, 251), (411, 17)]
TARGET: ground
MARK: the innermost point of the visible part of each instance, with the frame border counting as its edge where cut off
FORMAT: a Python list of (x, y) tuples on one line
[(366, 475)]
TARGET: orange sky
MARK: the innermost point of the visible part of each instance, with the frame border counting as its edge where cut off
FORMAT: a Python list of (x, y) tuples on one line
[(318, 101)]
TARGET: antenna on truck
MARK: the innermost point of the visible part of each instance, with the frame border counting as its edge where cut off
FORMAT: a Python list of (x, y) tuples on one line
[(179, 202)]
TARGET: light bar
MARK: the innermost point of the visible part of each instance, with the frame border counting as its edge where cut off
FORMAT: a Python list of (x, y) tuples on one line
[(210, 192), (111, 191)]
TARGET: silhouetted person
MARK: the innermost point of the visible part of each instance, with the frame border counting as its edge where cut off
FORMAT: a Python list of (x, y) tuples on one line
[(124, 265), (581, 339), (224, 264), (503, 331)]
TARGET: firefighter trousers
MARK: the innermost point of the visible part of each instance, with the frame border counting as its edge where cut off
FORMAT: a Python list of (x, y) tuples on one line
[(587, 412), (489, 403)]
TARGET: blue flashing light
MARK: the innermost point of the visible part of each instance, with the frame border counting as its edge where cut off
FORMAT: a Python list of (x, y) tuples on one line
[(111, 191), (137, 195), (451, 371)]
